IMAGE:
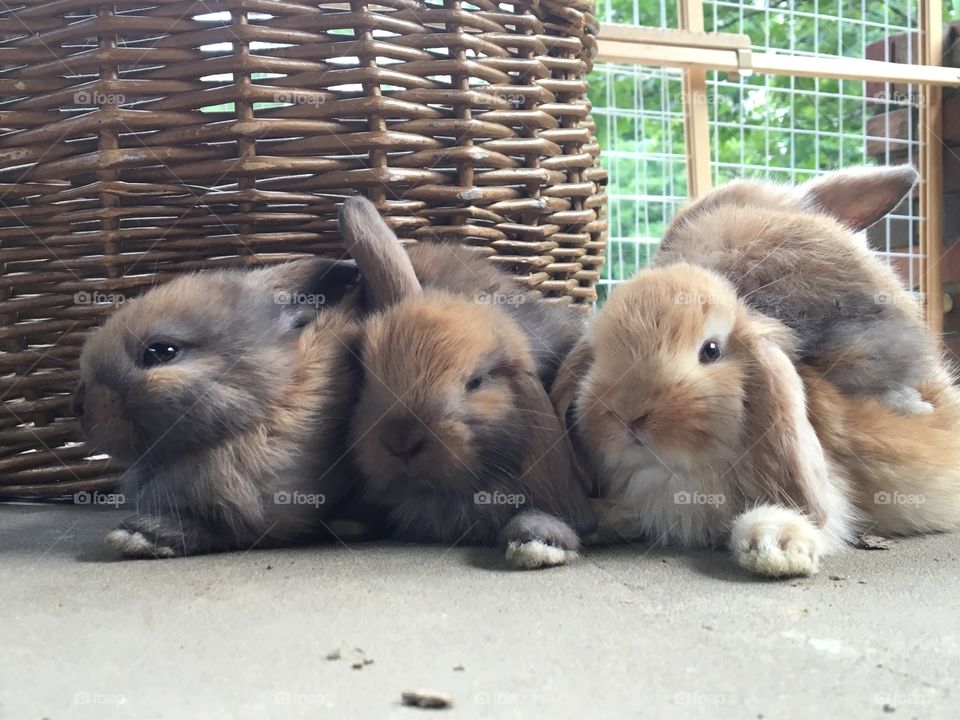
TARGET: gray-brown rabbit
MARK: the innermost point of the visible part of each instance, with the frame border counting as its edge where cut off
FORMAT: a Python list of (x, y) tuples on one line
[(454, 431), (792, 254), (225, 394)]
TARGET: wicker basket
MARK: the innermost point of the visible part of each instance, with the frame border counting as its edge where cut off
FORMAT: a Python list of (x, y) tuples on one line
[(144, 139)]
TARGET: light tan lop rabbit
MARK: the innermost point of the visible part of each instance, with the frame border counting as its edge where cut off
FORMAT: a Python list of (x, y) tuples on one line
[(701, 432)]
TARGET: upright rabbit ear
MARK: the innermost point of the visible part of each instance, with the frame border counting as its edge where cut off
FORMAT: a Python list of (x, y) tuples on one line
[(386, 267), (548, 466), (858, 197)]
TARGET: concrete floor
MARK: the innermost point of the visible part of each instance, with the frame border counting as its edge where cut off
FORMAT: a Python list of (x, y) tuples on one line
[(625, 633)]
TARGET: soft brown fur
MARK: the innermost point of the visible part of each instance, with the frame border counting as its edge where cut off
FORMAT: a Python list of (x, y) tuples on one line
[(727, 428), (251, 411), (453, 407)]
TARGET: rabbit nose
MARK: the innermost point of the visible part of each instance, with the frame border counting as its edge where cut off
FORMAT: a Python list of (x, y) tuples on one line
[(78, 398), (403, 442)]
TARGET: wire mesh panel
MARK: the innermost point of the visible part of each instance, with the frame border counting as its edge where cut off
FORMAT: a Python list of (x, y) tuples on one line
[(770, 127)]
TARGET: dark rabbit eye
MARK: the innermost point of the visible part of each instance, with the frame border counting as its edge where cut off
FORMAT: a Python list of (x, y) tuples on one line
[(710, 352), (158, 353), (474, 383)]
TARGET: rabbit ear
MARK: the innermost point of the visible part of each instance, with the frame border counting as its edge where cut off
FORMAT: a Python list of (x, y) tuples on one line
[(386, 267), (304, 287), (858, 197), (547, 467), (326, 280), (786, 459), (571, 373)]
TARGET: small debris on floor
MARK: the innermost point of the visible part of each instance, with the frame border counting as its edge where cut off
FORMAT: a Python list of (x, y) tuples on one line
[(888, 708), (873, 542), (269, 567), (458, 668), (333, 655), (838, 577), (426, 699), (360, 664)]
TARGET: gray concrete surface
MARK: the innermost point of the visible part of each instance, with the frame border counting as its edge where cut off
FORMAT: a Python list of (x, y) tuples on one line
[(626, 633)]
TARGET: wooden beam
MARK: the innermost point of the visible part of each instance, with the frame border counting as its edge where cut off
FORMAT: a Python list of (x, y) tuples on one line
[(696, 120), (730, 59), (931, 168)]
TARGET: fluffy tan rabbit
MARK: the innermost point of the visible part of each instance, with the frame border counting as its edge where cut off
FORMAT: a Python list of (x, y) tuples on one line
[(792, 253), (225, 394), (695, 420), (454, 431)]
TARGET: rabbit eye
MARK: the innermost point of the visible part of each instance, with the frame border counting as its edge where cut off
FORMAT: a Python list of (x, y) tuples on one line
[(474, 383), (158, 353), (710, 352)]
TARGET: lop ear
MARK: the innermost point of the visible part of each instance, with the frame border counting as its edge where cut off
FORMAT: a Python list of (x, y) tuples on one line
[(572, 370), (304, 287), (548, 466), (786, 460), (858, 197), (387, 271)]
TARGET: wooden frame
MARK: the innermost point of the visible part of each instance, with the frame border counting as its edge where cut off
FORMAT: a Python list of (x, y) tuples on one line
[(697, 52)]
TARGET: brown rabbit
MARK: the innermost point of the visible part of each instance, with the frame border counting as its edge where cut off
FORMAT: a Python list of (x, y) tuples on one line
[(694, 419), (792, 254), (454, 431), (226, 396)]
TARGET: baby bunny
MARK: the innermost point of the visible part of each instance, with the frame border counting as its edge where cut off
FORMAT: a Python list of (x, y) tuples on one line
[(793, 255), (688, 406), (225, 394), (454, 431)]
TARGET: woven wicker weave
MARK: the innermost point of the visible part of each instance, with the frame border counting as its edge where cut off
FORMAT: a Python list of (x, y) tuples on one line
[(144, 139)]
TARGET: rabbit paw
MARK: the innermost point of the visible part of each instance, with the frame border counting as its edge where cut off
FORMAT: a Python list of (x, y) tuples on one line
[(535, 554), (134, 544), (776, 542), (535, 540)]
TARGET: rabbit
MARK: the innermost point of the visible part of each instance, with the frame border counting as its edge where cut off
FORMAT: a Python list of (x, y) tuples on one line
[(225, 394), (702, 430), (454, 431), (793, 254)]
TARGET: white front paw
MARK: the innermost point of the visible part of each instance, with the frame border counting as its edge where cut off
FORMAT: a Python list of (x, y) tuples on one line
[(536, 554), (136, 545), (775, 541)]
